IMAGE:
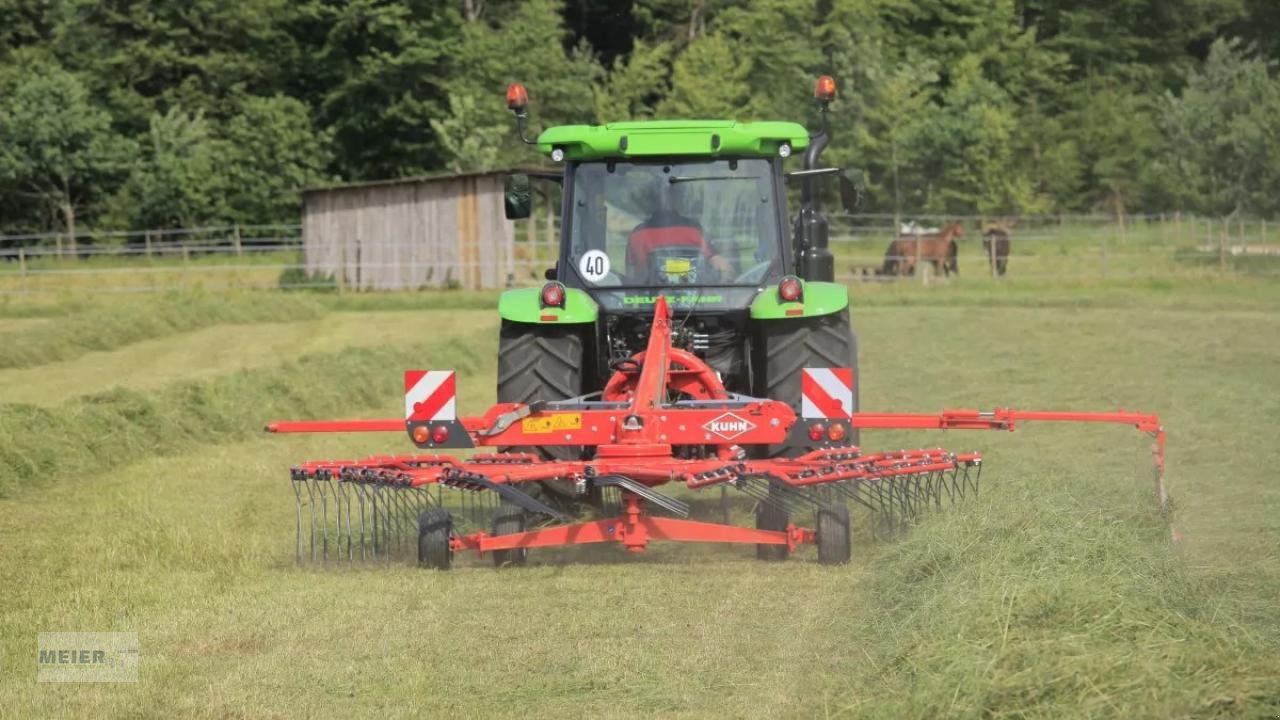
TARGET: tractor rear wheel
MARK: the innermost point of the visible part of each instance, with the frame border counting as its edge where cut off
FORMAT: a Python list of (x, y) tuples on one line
[(509, 519), (834, 545), (543, 362), (771, 515), (435, 525), (786, 347)]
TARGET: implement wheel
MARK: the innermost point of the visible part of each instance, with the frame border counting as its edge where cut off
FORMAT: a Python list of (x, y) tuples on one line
[(507, 520), (834, 545), (435, 525), (785, 347), (772, 516)]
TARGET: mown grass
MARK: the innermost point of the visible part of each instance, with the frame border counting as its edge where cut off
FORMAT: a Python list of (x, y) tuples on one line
[(106, 326), (121, 425), (221, 349), (1054, 593)]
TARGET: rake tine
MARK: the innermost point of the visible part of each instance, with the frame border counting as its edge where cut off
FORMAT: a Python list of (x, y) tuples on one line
[(884, 514), (346, 500), (324, 520), (396, 512), (297, 507), (311, 505), (360, 496)]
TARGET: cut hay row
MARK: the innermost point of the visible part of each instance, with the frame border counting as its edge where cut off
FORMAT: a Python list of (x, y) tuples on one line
[(109, 326), (119, 426)]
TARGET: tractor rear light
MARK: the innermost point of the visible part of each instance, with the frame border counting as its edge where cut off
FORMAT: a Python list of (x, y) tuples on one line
[(816, 432), (439, 434), (824, 90), (517, 97), (784, 150), (836, 432), (557, 154), (553, 295), (790, 289), (421, 434)]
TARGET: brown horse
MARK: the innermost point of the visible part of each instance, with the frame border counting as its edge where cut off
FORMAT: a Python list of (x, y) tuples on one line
[(938, 248), (997, 234)]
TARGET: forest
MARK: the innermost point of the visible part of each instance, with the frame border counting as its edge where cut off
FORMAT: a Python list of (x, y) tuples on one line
[(130, 114)]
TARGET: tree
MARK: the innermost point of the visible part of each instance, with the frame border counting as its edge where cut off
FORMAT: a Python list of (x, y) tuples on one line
[(56, 147), (635, 84), (524, 45), (1117, 134), (890, 139), (1222, 137), (377, 80), (178, 180), (271, 154), (709, 80)]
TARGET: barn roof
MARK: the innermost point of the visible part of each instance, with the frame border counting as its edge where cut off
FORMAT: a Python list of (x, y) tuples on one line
[(414, 179)]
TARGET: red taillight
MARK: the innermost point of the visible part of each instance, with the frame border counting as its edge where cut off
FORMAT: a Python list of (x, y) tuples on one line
[(553, 295), (439, 434), (517, 97), (836, 432), (815, 432), (421, 434), (824, 90), (790, 289)]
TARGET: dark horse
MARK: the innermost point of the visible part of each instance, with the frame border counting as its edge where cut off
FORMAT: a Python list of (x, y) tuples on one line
[(938, 248), (999, 236)]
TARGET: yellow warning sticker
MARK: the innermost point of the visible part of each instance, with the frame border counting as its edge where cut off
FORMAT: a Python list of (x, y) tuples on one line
[(552, 423)]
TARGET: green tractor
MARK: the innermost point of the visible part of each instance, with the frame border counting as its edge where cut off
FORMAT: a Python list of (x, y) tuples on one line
[(695, 210)]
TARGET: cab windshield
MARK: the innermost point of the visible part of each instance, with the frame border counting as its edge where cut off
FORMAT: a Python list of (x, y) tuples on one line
[(646, 224)]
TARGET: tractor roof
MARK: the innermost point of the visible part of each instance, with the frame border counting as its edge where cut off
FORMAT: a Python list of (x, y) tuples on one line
[(653, 138)]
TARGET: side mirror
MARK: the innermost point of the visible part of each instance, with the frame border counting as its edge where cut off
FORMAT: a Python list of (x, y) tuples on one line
[(517, 197), (852, 189)]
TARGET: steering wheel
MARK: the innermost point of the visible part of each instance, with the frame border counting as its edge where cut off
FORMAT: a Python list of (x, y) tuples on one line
[(755, 273)]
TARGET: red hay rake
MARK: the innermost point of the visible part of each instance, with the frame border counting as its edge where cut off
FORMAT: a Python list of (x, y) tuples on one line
[(664, 417)]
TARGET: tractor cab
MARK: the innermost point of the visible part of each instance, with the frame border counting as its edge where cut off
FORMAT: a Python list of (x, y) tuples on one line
[(691, 210)]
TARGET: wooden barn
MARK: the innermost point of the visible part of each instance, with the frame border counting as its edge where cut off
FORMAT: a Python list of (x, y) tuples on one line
[(435, 231)]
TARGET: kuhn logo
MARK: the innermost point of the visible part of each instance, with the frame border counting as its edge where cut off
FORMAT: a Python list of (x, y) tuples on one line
[(728, 426)]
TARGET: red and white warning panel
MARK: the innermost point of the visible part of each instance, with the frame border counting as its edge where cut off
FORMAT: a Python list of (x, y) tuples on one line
[(431, 409), (430, 395), (826, 393)]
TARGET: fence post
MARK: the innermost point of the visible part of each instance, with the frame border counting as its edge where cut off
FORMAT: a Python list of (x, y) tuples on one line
[(1263, 231), (146, 240), (1222, 246), (991, 257), (235, 239), (919, 267), (22, 267), (1105, 233)]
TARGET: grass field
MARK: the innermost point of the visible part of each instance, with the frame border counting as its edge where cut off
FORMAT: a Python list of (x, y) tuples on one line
[(1057, 592)]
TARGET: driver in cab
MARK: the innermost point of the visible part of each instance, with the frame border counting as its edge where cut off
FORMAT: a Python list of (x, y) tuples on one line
[(667, 230)]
